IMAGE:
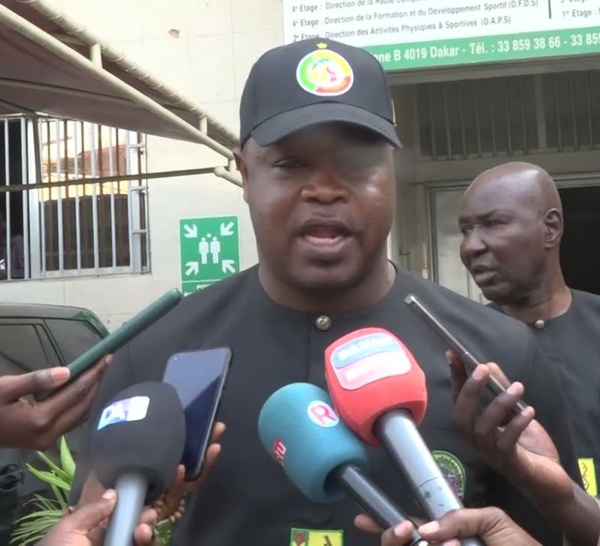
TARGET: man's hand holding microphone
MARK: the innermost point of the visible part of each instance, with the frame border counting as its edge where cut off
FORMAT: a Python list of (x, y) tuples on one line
[(87, 523), (491, 525), (519, 448), (86, 526), (143, 467)]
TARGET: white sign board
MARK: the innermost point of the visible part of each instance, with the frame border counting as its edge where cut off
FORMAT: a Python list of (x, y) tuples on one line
[(407, 34)]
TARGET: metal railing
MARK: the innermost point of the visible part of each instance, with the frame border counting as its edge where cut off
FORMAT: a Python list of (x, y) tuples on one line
[(75, 198)]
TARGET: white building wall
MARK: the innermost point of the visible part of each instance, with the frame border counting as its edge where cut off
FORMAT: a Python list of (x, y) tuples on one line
[(204, 49)]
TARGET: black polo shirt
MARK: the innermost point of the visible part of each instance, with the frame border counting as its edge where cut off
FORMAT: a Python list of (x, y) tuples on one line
[(247, 499), (571, 342)]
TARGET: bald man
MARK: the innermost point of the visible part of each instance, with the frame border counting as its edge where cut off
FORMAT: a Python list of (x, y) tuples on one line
[(512, 225)]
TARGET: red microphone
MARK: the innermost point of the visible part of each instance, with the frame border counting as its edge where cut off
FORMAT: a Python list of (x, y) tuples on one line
[(369, 372), (380, 392)]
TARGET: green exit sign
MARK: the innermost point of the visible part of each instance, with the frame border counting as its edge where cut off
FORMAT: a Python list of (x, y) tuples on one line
[(209, 250)]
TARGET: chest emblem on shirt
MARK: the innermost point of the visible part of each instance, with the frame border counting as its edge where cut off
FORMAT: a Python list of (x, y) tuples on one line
[(453, 470), (311, 537)]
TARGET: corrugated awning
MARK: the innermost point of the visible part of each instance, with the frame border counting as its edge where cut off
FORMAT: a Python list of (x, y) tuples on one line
[(51, 65)]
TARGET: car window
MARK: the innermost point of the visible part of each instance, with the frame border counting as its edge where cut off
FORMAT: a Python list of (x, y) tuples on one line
[(20, 349), (73, 337)]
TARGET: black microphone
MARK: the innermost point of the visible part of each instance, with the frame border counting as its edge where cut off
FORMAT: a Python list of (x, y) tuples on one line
[(320, 455), (135, 448)]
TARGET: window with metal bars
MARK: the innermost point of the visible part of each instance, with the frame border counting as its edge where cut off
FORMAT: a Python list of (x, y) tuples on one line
[(75, 194), (572, 111), (509, 116)]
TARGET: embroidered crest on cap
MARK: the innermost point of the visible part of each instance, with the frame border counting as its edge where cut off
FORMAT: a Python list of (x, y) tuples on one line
[(324, 73), (453, 471)]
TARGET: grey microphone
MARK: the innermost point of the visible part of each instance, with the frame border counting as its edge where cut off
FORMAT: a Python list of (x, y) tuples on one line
[(131, 492), (135, 448), (401, 439)]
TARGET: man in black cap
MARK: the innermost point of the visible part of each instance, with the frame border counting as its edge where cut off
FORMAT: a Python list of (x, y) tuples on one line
[(317, 161)]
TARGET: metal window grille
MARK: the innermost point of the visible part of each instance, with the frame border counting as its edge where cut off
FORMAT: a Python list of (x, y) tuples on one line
[(572, 111), (509, 116), (76, 194)]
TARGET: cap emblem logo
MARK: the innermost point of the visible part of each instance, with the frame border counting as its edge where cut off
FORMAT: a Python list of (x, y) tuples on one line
[(324, 73)]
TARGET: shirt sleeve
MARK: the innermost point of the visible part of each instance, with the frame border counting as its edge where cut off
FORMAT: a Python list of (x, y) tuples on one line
[(118, 377), (544, 393)]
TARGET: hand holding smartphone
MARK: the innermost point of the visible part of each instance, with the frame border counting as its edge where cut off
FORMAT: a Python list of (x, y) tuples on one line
[(470, 362), (120, 337)]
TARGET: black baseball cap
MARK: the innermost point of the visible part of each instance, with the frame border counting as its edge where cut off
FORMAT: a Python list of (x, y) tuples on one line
[(314, 81)]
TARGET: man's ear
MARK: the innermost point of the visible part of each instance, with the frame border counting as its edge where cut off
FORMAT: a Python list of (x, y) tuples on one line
[(242, 167), (553, 223)]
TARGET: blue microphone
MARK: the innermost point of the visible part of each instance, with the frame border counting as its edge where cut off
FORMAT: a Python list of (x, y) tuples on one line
[(320, 455)]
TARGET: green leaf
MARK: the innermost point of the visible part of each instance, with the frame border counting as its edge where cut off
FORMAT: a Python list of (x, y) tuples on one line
[(61, 496), (49, 478), (66, 459), (54, 468), (46, 504), (32, 527), (29, 537)]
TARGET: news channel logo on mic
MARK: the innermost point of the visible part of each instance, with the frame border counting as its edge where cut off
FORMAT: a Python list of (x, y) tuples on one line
[(369, 370)]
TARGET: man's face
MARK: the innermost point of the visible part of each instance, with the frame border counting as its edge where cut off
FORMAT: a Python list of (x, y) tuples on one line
[(322, 204), (503, 243)]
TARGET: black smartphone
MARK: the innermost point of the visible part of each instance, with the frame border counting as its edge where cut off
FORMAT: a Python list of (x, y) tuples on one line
[(493, 385), (199, 377), (122, 335)]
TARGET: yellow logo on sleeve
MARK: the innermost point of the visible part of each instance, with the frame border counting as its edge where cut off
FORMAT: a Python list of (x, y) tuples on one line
[(588, 475), (311, 537)]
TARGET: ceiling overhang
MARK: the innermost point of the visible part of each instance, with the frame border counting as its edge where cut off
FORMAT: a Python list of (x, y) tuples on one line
[(51, 65)]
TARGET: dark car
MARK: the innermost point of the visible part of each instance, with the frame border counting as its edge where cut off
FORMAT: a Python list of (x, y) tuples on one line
[(33, 337)]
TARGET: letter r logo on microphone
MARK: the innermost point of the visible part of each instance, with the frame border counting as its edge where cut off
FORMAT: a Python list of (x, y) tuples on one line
[(322, 414)]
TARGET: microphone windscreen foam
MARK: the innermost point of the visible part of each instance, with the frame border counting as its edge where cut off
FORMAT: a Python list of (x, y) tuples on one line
[(142, 430), (300, 429), (370, 372)]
